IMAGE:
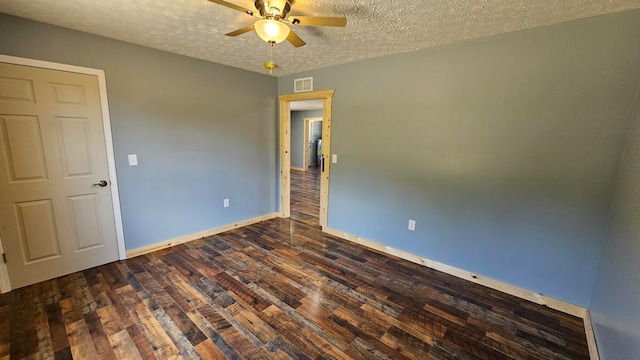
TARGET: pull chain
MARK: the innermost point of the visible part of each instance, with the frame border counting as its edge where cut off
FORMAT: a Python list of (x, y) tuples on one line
[(270, 64)]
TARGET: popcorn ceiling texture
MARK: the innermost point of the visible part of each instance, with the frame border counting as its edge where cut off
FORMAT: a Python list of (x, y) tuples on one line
[(375, 28)]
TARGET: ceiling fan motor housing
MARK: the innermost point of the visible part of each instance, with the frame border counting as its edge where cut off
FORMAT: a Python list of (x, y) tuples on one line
[(273, 27), (273, 9)]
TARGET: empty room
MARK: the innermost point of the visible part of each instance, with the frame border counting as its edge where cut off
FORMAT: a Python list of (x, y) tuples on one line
[(358, 179)]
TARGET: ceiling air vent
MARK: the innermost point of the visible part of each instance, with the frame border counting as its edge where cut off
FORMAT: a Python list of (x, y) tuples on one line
[(302, 85)]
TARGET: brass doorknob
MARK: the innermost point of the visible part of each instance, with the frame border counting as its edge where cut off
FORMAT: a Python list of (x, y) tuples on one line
[(102, 183)]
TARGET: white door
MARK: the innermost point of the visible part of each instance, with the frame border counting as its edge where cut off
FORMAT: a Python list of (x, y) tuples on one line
[(56, 212)]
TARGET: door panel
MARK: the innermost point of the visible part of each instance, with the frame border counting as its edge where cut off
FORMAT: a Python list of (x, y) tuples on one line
[(68, 94), (16, 89), (85, 221), (73, 136), (53, 220), (37, 230), (23, 147)]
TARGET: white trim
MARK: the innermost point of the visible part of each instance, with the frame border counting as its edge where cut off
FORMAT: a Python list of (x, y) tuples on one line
[(529, 295), (199, 235), (111, 163), (591, 337), (5, 284), (563, 306), (106, 121)]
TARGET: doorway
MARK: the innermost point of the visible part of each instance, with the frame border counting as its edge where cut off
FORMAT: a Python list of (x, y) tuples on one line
[(59, 200), (306, 151), (312, 142), (285, 151)]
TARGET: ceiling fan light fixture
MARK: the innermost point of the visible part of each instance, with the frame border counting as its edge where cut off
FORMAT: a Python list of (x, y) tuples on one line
[(272, 30)]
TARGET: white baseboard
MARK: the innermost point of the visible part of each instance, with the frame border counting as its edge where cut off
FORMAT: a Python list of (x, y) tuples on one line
[(199, 235), (591, 337), (540, 299), (529, 295), (5, 284)]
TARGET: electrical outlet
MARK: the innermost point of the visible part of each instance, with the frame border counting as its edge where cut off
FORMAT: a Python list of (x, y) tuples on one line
[(226, 203), (412, 225)]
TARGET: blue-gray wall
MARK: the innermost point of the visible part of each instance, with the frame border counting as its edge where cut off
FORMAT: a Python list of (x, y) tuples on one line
[(504, 150), (202, 132), (297, 135), (615, 304)]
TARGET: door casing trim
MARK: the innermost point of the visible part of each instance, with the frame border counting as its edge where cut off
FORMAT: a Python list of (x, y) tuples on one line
[(5, 285), (285, 150)]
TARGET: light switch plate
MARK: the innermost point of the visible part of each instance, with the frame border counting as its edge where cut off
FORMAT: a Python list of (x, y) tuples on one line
[(412, 225), (334, 158), (133, 159), (226, 203)]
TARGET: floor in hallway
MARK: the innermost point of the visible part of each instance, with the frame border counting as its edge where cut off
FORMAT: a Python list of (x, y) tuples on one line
[(305, 195)]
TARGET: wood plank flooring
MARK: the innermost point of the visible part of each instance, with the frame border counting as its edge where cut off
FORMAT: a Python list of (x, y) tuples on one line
[(279, 289), (305, 195)]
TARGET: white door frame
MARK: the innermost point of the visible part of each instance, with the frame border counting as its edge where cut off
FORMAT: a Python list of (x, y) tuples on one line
[(5, 285), (285, 150), (307, 127)]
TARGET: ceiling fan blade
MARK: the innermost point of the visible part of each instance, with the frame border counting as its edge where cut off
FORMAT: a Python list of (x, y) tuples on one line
[(317, 21), (295, 40), (241, 31), (233, 6)]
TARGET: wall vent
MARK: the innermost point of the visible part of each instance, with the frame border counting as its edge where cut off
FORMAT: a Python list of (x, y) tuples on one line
[(303, 84)]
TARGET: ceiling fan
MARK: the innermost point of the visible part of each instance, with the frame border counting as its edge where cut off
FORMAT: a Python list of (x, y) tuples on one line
[(274, 20)]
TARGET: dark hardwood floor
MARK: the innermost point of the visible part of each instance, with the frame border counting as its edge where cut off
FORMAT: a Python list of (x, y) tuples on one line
[(305, 195), (279, 289)]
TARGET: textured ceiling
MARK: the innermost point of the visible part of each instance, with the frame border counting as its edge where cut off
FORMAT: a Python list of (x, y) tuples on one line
[(375, 28)]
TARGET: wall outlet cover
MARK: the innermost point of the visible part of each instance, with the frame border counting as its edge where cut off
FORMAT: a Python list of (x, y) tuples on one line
[(412, 225)]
